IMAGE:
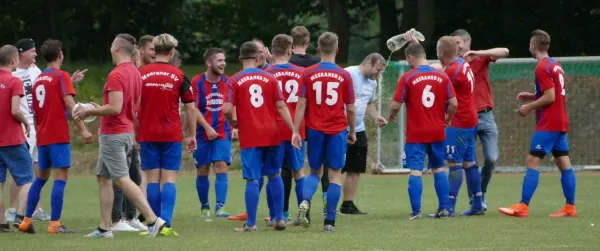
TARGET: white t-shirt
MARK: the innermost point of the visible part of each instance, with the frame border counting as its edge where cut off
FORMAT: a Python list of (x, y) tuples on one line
[(28, 77), (365, 91)]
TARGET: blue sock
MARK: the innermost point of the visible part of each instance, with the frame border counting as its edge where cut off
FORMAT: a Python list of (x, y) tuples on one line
[(153, 196), (277, 197), (202, 187), (455, 180), (415, 192), (272, 213), (530, 183), (311, 183), (568, 184), (252, 197), (33, 198), (333, 198), (299, 190), (221, 186), (261, 183), (442, 189), (168, 198), (474, 183), (57, 198)]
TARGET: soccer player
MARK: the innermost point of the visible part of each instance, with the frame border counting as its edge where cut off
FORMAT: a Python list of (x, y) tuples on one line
[(214, 137), (117, 137), (14, 155), (327, 89), (460, 136), (301, 38), (364, 78), (255, 96), (289, 78), (147, 50), (426, 91), (54, 94), (552, 124), (486, 127), (263, 54)]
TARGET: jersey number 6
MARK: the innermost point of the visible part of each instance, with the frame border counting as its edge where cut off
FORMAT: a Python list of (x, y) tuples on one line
[(428, 97)]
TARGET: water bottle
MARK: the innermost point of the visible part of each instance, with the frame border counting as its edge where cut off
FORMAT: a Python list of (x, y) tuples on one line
[(397, 42)]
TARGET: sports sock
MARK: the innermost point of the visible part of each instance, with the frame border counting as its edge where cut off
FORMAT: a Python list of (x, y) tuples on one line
[(311, 183), (442, 189), (272, 213), (568, 184), (56, 199), (455, 180), (415, 191), (221, 186), (299, 190), (153, 195), (277, 197), (530, 183), (474, 181), (33, 196), (168, 198), (333, 197), (252, 196), (261, 182), (202, 187)]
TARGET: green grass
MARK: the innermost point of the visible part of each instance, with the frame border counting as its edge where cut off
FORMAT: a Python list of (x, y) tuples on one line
[(385, 228)]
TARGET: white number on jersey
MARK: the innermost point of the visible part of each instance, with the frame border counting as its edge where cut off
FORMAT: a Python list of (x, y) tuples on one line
[(469, 73), (428, 97), (291, 88), (561, 79), (256, 98), (40, 95), (332, 94)]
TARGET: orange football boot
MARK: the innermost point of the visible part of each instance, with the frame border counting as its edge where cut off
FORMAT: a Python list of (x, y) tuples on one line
[(268, 218), (239, 217), (517, 210), (57, 228), (26, 226), (567, 211)]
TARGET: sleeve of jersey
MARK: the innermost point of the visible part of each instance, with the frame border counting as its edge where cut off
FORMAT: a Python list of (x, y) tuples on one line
[(114, 83), (186, 91), (67, 84), (303, 93), (230, 92), (349, 95), (275, 91), (544, 79), (195, 88), (17, 88), (400, 95)]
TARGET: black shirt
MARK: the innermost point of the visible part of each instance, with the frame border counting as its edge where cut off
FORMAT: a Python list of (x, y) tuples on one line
[(305, 60)]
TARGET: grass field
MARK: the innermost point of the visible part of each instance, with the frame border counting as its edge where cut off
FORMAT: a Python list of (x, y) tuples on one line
[(385, 228)]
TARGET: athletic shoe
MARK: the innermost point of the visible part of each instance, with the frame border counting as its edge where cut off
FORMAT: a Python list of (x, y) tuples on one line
[(5, 228), (156, 228), (484, 203), (329, 229), (56, 228), (280, 226), (434, 215), (302, 213), (239, 217), (350, 208), (25, 226), (443, 213), (168, 231), (271, 223), (517, 210), (123, 226), (98, 234), (135, 223), (567, 211), (10, 214), (473, 212), (415, 216), (245, 228), (40, 215), (204, 212), (222, 213)]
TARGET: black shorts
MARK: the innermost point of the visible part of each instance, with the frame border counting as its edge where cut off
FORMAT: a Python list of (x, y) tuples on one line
[(356, 156)]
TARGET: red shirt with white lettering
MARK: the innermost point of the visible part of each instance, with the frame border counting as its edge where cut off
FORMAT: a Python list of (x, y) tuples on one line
[(462, 79), (11, 133), (289, 78), (483, 91), (124, 78), (554, 117)]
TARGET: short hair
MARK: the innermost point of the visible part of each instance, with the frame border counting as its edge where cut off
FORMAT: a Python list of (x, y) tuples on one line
[(210, 52), (176, 57), (280, 44), (448, 45), (8, 53), (145, 40), (300, 35), (164, 43), (248, 50), (51, 49), (464, 34), (328, 42), (126, 42), (541, 40), (256, 40), (374, 58), (415, 50)]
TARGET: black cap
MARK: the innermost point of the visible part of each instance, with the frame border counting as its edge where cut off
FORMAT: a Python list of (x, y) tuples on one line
[(25, 44)]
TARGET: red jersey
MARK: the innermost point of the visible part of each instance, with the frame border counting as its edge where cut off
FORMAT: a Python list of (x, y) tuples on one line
[(463, 82), (254, 93), (425, 91), (162, 86), (289, 78), (123, 78), (327, 89), (483, 91), (210, 98), (50, 110), (552, 118), (12, 132)]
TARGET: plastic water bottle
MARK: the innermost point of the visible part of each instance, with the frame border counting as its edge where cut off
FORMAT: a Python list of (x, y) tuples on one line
[(397, 42), (86, 106)]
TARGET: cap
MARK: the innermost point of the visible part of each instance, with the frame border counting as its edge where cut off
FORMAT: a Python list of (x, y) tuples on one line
[(25, 44)]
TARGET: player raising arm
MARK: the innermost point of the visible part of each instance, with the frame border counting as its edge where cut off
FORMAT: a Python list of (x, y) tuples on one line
[(255, 96), (552, 124), (327, 89), (426, 91)]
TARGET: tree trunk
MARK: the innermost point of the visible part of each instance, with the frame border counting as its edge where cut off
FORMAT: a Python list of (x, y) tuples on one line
[(388, 24), (426, 20), (339, 23)]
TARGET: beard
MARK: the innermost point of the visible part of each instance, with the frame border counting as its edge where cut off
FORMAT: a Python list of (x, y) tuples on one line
[(215, 71)]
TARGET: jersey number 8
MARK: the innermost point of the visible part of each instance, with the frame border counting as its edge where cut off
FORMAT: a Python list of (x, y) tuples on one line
[(256, 98)]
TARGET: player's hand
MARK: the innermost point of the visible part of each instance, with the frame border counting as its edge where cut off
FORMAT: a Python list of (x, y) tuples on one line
[(211, 133), (409, 37), (524, 110), (80, 114), (268, 55), (234, 134), (95, 105), (381, 121), (296, 140), (87, 137), (393, 118), (78, 76), (470, 55), (27, 129), (191, 144), (525, 96), (351, 138)]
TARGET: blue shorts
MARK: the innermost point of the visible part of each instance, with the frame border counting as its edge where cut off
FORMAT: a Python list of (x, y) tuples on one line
[(165, 155), (211, 151), (326, 149), (543, 143), (17, 161), (460, 144), (415, 155), (54, 155), (260, 161), (291, 157)]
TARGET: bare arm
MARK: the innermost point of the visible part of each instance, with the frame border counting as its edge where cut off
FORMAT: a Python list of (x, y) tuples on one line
[(16, 111), (546, 99), (70, 102), (372, 111), (190, 115), (113, 108), (452, 107), (200, 120), (494, 53), (300, 109), (285, 114), (229, 112), (394, 110), (351, 116)]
